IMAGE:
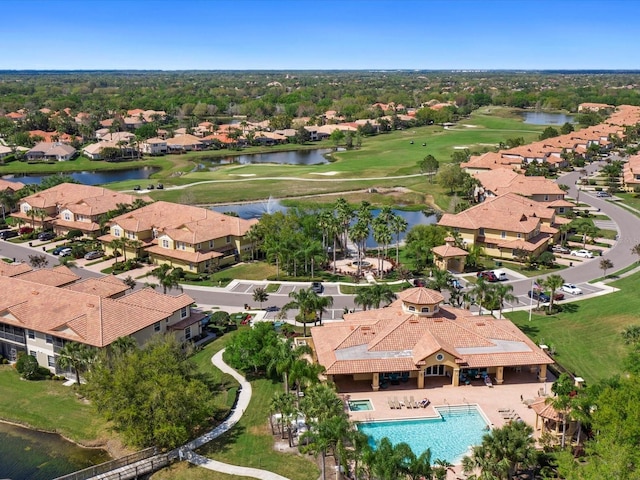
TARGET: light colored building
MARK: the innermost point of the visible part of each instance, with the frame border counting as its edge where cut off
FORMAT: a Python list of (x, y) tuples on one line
[(506, 226), (417, 340), (154, 146), (39, 319), (51, 151), (71, 206), (192, 238), (631, 173)]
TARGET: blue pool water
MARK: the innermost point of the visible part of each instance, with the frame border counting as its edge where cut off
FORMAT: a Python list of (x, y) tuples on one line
[(449, 437)]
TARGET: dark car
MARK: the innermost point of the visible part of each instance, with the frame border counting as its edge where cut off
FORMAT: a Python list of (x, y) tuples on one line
[(272, 308), (46, 236), (317, 287), (57, 250), (8, 234), (419, 282), (488, 276), (543, 297), (558, 296)]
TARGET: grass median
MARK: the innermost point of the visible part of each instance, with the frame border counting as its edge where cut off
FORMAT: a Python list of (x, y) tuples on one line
[(586, 327)]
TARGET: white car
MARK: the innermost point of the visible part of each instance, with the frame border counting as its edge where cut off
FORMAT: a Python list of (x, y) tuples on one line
[(571, 288), (582, 253)]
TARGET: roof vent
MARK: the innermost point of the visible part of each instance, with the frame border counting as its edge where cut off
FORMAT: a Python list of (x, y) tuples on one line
[(413, 320), (35, 292), (365, 328), (480, 324), (90, 305)]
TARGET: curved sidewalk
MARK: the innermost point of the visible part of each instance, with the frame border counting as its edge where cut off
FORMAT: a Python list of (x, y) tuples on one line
[(244, 397)]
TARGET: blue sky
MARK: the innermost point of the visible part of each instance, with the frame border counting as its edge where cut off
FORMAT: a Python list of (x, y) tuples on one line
[(319, 34)]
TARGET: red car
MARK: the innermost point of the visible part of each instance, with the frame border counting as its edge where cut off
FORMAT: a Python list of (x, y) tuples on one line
[(488, 276)]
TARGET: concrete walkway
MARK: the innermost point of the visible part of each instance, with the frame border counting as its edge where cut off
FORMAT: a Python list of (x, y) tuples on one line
[(244, 397)]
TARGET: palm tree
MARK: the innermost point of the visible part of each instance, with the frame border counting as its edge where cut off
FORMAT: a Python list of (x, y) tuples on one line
[(363, 298), (117, 245), (631, 334), (440, 279), (553, 282), (503, 294), (284, 404), (254, 235), (398, 225), (561, 401), (305, 301), (322, 303), (75, 356), (379, 293), (8, 201), (359, 233), (502, 453), (382, 237), (344, 215), (282, 357), (636, 250), (481, 291), (168, 277), (260, 295)]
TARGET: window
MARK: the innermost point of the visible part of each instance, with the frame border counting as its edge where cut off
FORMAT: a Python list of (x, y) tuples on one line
[(198, 246), (33, 353), (425, 310), (49, 339), (131, 235), (183, 312), (116, 232), (546, 198), (481, 232), (412, 308), (439, 357), (503, 234), (210, 243), (165, 243), (67, 216), (187, 333), (26, 208), (31, 334), (228, 238), (519, 235), (156, 327), (51, 360)]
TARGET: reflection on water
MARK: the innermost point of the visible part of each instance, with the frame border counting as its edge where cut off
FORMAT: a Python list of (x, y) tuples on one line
[(300, 157), (91, 178), (546, 118), (257, 209), (30, 455)]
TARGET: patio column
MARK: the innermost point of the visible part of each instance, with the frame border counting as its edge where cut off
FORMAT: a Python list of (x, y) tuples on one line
[(500, 375), (542, 375), (375, 385), (421, 378), (455, 380)]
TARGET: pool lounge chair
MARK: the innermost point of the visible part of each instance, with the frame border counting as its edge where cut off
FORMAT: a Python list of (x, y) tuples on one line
[(424, 403), (407, 403), (397, 403), (392, 405), (413, 402)]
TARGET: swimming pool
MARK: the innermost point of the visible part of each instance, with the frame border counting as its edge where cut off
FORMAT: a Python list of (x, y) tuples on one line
[(359, 405), (448, 436)]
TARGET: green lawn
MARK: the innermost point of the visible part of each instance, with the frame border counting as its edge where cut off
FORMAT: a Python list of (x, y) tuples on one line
[(586, 327), (50, 406)]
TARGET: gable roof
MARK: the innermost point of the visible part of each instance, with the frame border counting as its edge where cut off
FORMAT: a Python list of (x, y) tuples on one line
[(503, 180)]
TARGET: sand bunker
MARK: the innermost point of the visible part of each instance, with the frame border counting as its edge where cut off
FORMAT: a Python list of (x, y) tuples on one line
[(243, 174), (325, 173)]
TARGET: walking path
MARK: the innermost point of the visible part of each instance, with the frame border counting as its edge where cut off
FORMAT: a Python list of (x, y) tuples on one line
[(242, 402)]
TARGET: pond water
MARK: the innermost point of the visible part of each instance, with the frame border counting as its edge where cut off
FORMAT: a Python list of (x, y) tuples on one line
[(300, 157), (546, 118), (257, 209), (91, 178), (30, 455)]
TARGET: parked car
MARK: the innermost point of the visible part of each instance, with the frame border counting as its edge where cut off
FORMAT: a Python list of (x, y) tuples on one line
[(582, 253), (560, 249), (57, 250), (65, 252), (46, 236), (571, 288), (558, 295), (92, 255), (5, 234), (272, 308), (501, 275), (603, 194), (488, 276), (536, 295), (317, 287)]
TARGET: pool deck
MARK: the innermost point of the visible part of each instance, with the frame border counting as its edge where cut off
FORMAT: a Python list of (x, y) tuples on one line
[(512, 395)]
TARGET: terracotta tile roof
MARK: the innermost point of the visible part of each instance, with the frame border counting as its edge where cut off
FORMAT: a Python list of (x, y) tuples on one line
[(184, 255), (55, 277), (103, 287), (421, 296), (490, 161), (503, 180), (77, 316), (389, 339), (148, 298), (449, 251), (13, 269), (183, 222)]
